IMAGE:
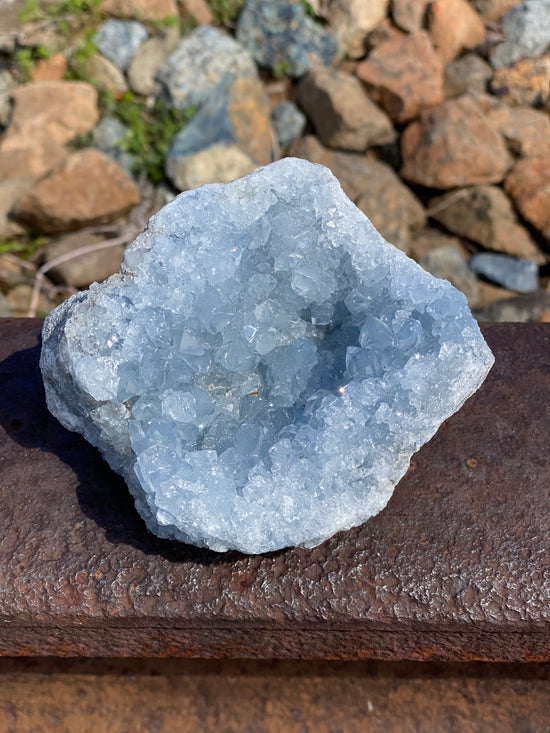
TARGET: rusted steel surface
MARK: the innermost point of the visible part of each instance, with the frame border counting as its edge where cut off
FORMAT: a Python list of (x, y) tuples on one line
[(457, 567), (163, 696)]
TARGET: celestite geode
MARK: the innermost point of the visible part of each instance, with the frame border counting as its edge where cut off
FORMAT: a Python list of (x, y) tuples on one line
[(264, 365)]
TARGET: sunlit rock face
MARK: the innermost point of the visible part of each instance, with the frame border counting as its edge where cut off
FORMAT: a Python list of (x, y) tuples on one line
[(264, 365)]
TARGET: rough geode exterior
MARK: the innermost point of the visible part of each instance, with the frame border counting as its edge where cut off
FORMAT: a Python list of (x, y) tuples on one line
[(264, 365)]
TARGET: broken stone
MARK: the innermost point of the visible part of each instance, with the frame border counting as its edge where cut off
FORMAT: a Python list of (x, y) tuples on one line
[(528, 185)]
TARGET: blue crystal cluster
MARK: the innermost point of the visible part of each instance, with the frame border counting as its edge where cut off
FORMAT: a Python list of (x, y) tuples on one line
[(264, 365)]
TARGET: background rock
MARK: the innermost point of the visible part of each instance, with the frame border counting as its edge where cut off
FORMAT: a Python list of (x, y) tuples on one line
[(454, 25), (527, 31), (485, 215), (199, 64), (148, 59), (494, 9), (528, 185), (288, 122), (526, 81), (409, 14), (87, 188), (453, 145), (520, 309), (447, 262), (526, 131), (509, 272), (464, 73), (83, 269), (50, 69), (281, 37), (216, 164), (7, 84), (404, 76), (342, 114), (351, 20), (119, 40), (104, 74), (143, 9)]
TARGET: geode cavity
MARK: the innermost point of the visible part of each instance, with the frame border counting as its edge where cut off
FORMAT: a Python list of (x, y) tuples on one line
[(264, 365)]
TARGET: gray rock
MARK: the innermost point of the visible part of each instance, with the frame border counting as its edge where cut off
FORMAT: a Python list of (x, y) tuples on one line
[(468, 72), (199, 64), (521, 309), (527, 31), (119, 40), (7, 84), (447, 262), (108, 136), (283, 38), (508, 272), (288, 122)]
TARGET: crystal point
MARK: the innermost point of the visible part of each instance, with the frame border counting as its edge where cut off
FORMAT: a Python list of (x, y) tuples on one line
[(264, 365)]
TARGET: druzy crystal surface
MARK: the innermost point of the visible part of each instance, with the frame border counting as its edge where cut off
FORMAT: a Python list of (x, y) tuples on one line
[(264, 365)]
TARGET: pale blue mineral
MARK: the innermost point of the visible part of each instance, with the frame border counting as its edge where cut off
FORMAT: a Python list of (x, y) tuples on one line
[(265, 364)]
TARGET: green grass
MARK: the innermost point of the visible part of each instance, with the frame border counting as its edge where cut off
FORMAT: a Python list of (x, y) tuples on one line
[(34, 10), (151, 130), (22, 249), (25, 59), (226, 12)]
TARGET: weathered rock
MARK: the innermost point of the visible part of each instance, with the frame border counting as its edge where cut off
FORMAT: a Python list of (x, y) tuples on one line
[(351, 20), (373, 186), (527, 31), (423, 240), (485, 215), (525, 82), (520, 309), (494, 9), (454, 25), (281, 37), (30, 161), (85, 268), (50, 69), (44, 33), (453, 145), (104, 74), (199, 64), (528, 185), (7, 85), (216, 164), (147, 61), (140, 9), (288, 122), (526, 131), (10, 191), (468, 72), (55, 111), (19, 300), (404, 76), (409, 14), (384, 32), (342, 114), (119, 40), (448, 263), (511, 273), (236, 113), (197, 9), (87, 188)]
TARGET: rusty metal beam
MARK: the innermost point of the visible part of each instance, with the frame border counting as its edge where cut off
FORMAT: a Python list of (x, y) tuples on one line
[(457, 567)]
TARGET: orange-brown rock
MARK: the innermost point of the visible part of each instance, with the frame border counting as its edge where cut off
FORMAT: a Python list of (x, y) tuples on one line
[(144, 9), (525, 82), (197, 9), (390, 205), (50, 69), (87, 188), (32, 161), (384, 31), (469, 72), (454, 25), (341, 112), (55, 111), (484, 214), (528, 185), (404, 76), (453, 145), (409, 14), (250, 117), (526, 131), (86, 267)]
